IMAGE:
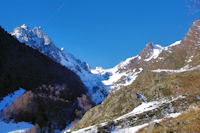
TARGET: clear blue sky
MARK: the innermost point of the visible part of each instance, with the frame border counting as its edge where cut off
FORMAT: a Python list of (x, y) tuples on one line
[(101, 32)]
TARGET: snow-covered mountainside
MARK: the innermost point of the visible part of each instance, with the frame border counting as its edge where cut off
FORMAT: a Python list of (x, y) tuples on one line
[(153, 56), (127, 71), (115, 75), (37, 39)]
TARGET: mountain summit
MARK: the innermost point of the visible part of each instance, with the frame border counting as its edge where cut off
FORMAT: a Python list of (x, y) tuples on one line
[(151, 51), (38, 40)]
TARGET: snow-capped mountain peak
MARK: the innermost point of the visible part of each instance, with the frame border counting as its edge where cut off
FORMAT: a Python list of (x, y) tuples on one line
[(127, 71), (151, 51), (24, 26), (37, 39), (33, 37)]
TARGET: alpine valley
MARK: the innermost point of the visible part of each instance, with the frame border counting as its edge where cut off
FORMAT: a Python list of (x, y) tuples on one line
[(43, 88)]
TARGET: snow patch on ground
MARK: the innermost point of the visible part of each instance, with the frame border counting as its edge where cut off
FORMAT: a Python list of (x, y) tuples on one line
[(175, 44), (131, 129), (172, 45), (126, 62), (189, 59), (128, 77), (11, 126), (184, 69), (91, 129), (19, 131), (144, 107), (20, 127), (137, 128), (8, 100)]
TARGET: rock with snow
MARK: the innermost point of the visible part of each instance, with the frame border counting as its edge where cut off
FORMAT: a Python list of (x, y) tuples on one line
[(151, 51), (184, 69), (141, 109)]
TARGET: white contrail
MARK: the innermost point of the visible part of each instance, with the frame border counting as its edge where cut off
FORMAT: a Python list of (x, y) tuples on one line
[(62, 5)]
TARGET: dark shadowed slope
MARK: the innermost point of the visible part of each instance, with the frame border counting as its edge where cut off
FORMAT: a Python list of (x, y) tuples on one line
[(52, 90)]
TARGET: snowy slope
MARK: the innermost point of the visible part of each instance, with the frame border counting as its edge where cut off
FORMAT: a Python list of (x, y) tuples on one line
[(124, 74), (7, 101), (172, 45), (115, 75), (37, 39), (184, 69), (141, 109), (93, 129), (135, 129), (157, 49), (11, 126), (127, 71), (147, 106)]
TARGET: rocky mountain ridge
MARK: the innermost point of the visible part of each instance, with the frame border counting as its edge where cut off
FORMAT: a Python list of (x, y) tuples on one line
[(38, 40), (127, 71), (154, 56), (163, 73)]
